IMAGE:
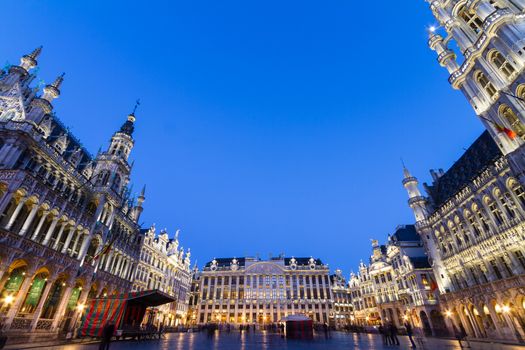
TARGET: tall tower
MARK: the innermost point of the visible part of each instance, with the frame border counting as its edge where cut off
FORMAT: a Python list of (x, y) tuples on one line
[(419, 204), (491, 37), (112, 168)]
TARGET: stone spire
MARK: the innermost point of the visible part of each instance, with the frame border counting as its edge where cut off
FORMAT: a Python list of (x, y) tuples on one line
[(52, 91), (30, 61), (140, 201)]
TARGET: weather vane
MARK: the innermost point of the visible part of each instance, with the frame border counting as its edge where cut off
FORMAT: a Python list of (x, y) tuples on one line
[(137, 103)]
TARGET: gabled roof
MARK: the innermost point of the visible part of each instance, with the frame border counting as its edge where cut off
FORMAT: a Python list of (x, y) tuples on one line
[(302, 261), (406, 233), (420, 262), (481, 154), (225, 262)]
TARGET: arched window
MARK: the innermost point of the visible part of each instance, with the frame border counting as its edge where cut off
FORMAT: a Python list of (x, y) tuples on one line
[(508, 115), (493, 207), (501, 63), (485, 84), (471, 19), (519, 192), (32, 298), (473, 223)]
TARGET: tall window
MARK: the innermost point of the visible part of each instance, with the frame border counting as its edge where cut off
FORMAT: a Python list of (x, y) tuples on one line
[(485, 84), (508, 114), (501, 63), (518, 191), (495, 211), (471, 19)]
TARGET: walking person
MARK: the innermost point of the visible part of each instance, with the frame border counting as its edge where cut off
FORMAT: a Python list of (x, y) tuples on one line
[(107, 334), (393, 334), (408, 327), (384, 337)]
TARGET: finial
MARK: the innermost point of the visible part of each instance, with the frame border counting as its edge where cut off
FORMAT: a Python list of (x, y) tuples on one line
[(143, 192), (137, 103), (406, 173), (29, 61), (58, 81), (36, 52)]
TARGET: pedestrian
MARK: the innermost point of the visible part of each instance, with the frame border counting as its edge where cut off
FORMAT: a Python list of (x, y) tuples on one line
[(460, 336), (161, 330), (420, 337), (107, 334), (393, 334), (381, 331), (325, 327), (408, 327)]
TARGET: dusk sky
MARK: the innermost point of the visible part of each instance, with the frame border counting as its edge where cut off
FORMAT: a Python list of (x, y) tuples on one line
[(265, 126)]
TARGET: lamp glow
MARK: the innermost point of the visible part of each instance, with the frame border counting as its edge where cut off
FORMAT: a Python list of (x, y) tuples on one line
[(81, 307), (432, 29), (9, 299), (448, 313)]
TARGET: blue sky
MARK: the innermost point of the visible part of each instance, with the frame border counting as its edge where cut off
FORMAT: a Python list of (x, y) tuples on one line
[(265, 126)]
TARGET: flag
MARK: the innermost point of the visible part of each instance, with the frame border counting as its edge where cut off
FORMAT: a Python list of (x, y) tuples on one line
[(106, 248), (433, 285), (510, 133)]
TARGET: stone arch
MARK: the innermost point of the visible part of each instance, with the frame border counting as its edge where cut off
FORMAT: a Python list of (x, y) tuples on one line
[(438, 323), (36, 290), (425, 323), (54, 297)]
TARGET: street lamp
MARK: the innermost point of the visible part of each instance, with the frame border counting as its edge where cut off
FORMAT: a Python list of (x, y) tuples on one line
[(9, 299), (81, 307), (448, 313)]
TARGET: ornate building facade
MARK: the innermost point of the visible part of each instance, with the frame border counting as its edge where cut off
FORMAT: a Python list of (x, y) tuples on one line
[(472, 221), (397, 285), (343, 310), (193, 303), (68, 227), (164, 266), (250, 290)]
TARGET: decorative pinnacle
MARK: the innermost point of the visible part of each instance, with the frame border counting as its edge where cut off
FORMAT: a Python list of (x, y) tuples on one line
[(58, 81), (36, 52), (143, 192)]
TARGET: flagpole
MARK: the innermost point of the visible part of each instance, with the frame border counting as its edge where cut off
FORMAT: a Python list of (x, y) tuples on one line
[(512, 95)]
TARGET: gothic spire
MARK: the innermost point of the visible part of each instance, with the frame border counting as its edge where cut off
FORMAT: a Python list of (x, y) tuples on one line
[(36, 52), (29, 61), (58, 81), (51, 91)]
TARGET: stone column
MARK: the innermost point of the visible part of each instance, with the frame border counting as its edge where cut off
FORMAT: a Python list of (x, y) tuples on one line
[(118, 265), (15, 214), (41, 302), (108, 261), (29, 220), (68, 239), (125, 266), (77, 238), (49, 232), (40, 224), (59, 236)]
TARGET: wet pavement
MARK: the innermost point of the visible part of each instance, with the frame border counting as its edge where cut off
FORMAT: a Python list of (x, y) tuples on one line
[(270, 341)]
